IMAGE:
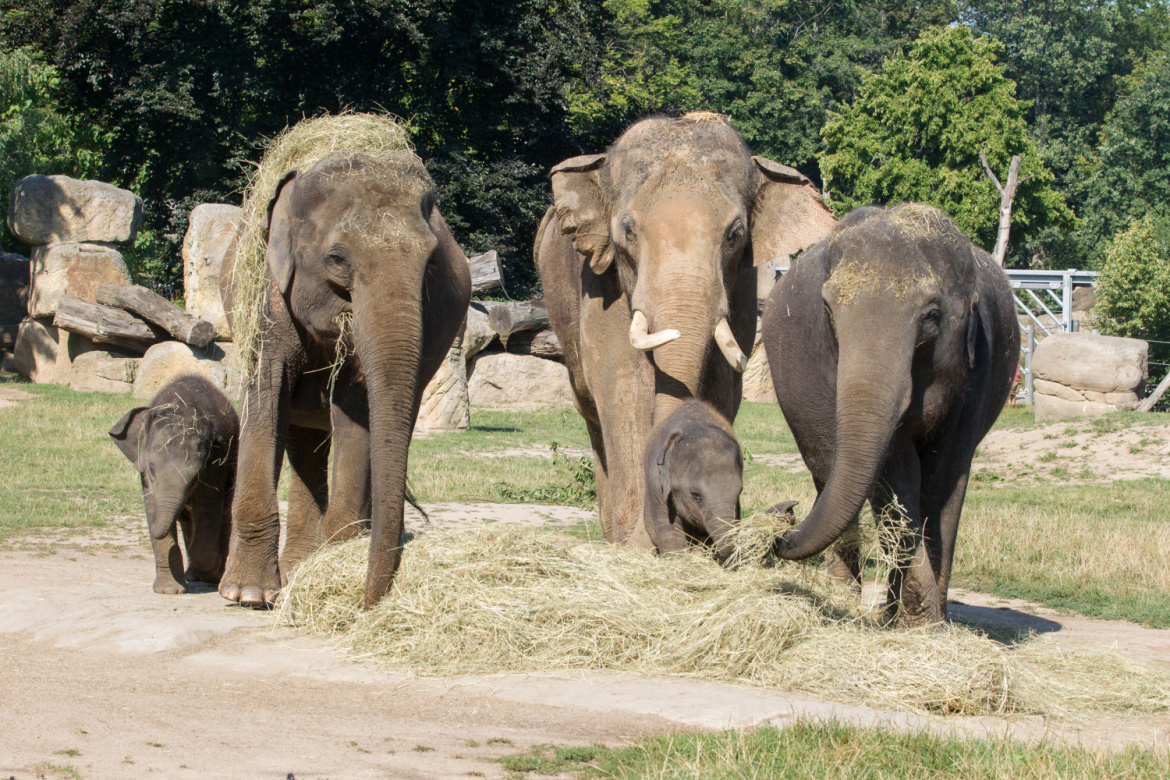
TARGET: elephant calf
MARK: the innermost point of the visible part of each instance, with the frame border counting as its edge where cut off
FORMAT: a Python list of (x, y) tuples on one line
[(694, 475), (184, 447)]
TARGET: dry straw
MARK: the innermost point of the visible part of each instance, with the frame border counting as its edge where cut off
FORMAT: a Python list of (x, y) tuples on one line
[(496, 598), (297, 148)]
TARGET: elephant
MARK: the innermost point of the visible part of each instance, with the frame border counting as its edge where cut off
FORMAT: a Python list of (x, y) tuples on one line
[(647, 259), (892, 346), (355, 238), (184, 446), (694, 475)]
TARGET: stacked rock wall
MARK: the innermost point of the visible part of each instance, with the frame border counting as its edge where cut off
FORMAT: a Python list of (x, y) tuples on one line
[(1085, 375)]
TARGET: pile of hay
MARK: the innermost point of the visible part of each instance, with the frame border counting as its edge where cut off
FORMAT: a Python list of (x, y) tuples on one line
[(497, 598), (298, 147)]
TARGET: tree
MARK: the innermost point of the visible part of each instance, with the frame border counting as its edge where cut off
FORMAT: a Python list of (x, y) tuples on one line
[(1130, 175), (1133, 291), (916, 130)]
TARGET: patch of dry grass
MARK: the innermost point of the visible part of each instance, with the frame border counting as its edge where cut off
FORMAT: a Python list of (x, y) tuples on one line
[(493, 599)]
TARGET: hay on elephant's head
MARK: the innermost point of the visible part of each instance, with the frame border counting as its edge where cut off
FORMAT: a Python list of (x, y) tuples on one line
[(298, 147), (496, 598), (704, 116)]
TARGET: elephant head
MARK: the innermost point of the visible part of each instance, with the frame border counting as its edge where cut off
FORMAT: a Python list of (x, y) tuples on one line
[(681, 211), (695, 474), (358, 234), (905, 318)]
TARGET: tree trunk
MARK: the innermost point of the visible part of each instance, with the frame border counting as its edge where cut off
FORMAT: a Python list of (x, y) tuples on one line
[(486, 273), (515, 316), (154, 308), (104, 324), (1007, 193), (540, 343)]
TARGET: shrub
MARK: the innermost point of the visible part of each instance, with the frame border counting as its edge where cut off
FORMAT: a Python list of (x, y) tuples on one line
[(1134, 289)]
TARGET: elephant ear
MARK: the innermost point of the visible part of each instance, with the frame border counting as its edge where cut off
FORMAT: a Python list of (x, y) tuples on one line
[(664, 465), (128, 432), (581, 205), (278, 224), (789, 214)]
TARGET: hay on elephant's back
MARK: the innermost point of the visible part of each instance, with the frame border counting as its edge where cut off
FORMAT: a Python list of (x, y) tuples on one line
[(498, 598), (298, 147)]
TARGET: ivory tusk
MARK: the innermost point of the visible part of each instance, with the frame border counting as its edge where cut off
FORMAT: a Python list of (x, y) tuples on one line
[(643, 341), (728, 346)]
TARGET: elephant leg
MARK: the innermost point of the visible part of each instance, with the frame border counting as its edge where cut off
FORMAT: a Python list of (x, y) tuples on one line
[(308, 495), (168, 564), (913, 597), (252, 574), (945, 479), (625, 427), (843, 559), (349, 498), (203, 530)]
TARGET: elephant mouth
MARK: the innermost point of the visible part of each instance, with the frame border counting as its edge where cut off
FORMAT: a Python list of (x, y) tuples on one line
[(644, 341)]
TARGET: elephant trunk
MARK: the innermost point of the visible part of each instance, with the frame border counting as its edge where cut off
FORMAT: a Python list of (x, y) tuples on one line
[(721, 529), (163, 510), (873, 392), (388, 335)]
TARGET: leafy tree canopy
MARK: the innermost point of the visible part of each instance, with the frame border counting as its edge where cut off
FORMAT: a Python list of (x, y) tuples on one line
[(916, 129), (1133, 292)]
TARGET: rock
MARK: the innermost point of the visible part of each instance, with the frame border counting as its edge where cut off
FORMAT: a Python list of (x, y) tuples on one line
[(106, 372), (77, 269), (757, 377), (6, 363), (501, 380), (477, 332), (14, 284), (44, 353), (1085, 361), (170, 359), (445, 403), (1050, 407), (59, 209), (1083, 299), (210, 231)]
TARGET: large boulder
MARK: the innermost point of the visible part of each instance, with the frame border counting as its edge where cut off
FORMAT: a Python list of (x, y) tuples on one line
[(102, 371), (45, 353), (172, 359), (210, 231), (1086, 375), (59, 209), (77, 269), (757, 377), (445, 403), (477, 331), (501, 380), (14, 278)]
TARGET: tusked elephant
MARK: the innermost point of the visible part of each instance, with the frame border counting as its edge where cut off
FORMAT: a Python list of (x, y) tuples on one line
[(358, 235), (647, 259), (892, 346)]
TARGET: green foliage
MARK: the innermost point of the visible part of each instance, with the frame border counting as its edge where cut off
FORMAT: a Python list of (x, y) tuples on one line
[(35, 136), (1130, 176), (1133, 292), (915, 133)]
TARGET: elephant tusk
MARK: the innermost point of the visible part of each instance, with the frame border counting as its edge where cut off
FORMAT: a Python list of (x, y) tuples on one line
[(729, 347), (643, 341)]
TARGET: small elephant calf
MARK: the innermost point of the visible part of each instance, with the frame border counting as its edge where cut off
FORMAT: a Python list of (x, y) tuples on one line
[(694, 475), (184, 447)]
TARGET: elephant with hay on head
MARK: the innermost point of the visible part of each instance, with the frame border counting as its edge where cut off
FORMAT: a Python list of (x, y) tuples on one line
[(648, 259), (347, 291)]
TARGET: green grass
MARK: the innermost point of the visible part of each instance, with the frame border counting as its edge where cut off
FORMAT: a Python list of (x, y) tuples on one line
[(829, 750), (1099, 550)]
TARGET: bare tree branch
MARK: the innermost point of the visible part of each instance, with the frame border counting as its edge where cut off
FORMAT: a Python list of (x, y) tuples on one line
[(1006, 193), (987, 168)]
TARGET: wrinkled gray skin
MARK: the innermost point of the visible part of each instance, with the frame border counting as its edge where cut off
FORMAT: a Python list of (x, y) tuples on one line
[(892, 346), (694, 475), (184, 447), (356, 234)]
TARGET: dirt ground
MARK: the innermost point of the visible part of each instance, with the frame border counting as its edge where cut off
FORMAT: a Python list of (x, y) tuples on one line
[(103, 678)]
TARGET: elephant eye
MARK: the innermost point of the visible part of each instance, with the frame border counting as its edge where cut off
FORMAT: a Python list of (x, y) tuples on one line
[(150, 469), (697, 497), (631, 235), (735, 232)]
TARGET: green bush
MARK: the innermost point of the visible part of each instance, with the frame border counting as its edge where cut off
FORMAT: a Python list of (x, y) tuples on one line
[(1133, 293)]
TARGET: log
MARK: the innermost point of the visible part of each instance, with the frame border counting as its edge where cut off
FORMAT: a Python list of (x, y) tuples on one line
[(104, 324), (486, 273), (152, 307), (539, 343), (1148, 404), (508, 318)]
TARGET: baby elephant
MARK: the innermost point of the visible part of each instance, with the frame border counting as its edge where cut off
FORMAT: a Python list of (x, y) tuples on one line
[(694, 475), (184, 447)]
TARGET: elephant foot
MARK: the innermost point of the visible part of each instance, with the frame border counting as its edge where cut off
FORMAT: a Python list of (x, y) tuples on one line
[(210, 577), (166, 584), (250, 583), (288, 561)]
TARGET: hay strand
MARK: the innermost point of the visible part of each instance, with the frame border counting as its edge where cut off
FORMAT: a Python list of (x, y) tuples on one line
[(496, 598)]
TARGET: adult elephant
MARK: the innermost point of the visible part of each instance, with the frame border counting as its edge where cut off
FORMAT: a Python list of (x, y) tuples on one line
[(354, 238), (892, 346), (647, 261)]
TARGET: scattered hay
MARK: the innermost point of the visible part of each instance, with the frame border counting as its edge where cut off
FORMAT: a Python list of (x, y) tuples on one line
[(298, 147), (852, 277), (704, 116), (496, 598), (920, 220)]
